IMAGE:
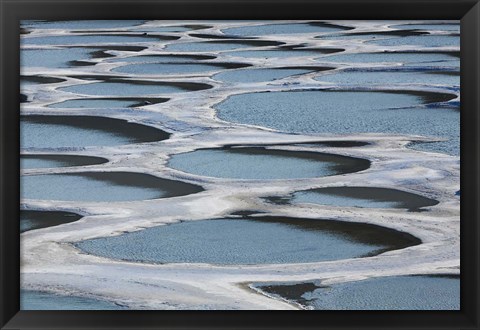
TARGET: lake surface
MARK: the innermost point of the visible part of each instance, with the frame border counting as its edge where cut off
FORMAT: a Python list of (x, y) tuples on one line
[(168, 68), (348, 112), (362, 78), (178, 28), (382, 293), (424, 41), (81, 131), (272, 29), (280, 52), (54, 58), (107, 103), (82, 24), (102, 187), (119, 87), (257, 75), (38, 80), (430, 27), (48, 161), (369, 197), (30, 219), (161, 58), (92, 39), (248, 241), (37, 300), (406, 59), (213, 46), (260, 163)]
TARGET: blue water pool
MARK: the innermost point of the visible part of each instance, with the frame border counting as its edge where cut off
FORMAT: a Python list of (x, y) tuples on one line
[(248, 241)]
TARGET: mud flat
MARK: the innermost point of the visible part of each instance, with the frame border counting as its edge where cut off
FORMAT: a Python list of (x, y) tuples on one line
[(30, 219), (50, 161), (380, 293), (102, 187), (265, 164), (259, 240), (81, 131)]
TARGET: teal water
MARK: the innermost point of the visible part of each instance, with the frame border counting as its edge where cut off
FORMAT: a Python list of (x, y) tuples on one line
[(366, 197), (290, 28), (274, 53), (108, 88), (214, 46), (382, 293), (30, 220), (259, 163), (82, 131), (161, 58), (80, 24), (93, 39), (101, 187), (38, 80), (106, 103), (408, 59), (167, 68), (49, 161), (345, 112), (454, 27), (246, 241), (423, 41), (356, 36), (178, 28), (54, 58), (257, 75), (363, 78), (37, 300)]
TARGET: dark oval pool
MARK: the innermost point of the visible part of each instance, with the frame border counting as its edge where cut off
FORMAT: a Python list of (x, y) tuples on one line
[(259, 240)]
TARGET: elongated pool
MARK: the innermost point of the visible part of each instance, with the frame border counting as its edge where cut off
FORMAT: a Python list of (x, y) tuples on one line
[(249, 241), (48, 161), (30, 219), (38, 300), (363, 197), (261, 163), (380, 293), (102, 187), (349, 112), (81, 131)]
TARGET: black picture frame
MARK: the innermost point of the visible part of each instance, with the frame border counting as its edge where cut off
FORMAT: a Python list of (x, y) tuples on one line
[(12, 11)]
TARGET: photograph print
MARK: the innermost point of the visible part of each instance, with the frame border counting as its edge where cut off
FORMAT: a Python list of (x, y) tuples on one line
[(240, 165)]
